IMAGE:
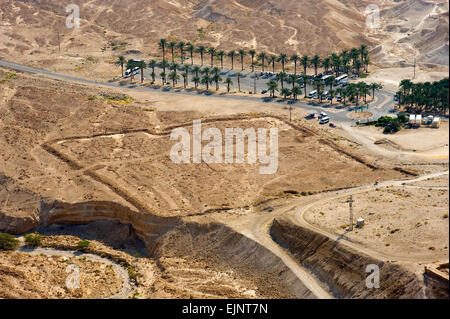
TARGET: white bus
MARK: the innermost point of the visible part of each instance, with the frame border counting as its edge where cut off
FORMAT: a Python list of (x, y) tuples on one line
[(325, 77), (342, 78)]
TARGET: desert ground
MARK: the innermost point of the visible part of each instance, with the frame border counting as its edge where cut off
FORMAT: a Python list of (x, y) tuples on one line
[(92, 154), (90, 161)]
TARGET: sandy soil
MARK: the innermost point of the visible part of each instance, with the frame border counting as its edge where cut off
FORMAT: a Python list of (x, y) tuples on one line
[(398, 221), (73, 144), (426, 142), (40, 276)]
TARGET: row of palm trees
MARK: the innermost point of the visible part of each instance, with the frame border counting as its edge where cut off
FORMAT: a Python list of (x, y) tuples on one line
[(354, 91), (208, 76), (430, 97), (173, 71), (356, 59)]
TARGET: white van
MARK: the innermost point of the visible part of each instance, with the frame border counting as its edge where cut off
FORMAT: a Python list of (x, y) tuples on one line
[(129, 72), (324, 120), (312, 94)]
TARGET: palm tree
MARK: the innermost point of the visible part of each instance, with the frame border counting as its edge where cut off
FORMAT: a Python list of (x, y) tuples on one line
[(174, 67), (281, 77), (367, 61), (326, 63), (272, 59), (330, 81), (239, 81), (305, 81), (186, 69), (220, 55), (164, 64), (318, 85), (196, 70), (174, 77), (228, 82), (206, 80), (262, 56), (315, 62), (363, 90), (181, 46), (357, 65), (242, 53), (272, 86), (142, 65), (232, 54), (340, 92), (172, 45), (336, 63), (162, 44), (152, 64), (295, 59), (121, 61), (363, 52), (283, 59), (212, 53), (292, 79), (185, 78), (190, 47), (196, 80), (304, 61), (252, 54), (217, 79), (131, 65), (296, 90), (285, 92), (205, 70), (373, 87), (163, 77), (331, 92), (201, 49)]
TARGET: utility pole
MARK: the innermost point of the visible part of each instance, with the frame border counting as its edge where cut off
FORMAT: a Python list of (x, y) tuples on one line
[(254, 85), (59, 43), (414, 68), (350, 203)]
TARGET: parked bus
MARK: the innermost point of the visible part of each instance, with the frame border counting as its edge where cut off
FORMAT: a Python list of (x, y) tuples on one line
[(325, 77), (342, 78)]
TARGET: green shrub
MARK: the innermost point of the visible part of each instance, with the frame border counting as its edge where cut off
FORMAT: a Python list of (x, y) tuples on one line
[(33, 239), (8, 242), (83, 244)]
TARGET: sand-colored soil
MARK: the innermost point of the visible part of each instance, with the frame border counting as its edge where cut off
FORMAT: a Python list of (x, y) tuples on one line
[(408, 222)]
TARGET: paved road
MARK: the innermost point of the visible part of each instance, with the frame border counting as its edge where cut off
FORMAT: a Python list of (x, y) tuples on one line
[(382, 106)]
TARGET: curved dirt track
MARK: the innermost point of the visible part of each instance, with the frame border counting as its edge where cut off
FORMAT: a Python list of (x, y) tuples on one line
[(121, 272), (259, 231)]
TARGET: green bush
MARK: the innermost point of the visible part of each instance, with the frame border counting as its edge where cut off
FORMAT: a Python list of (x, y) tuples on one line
[(33, 239), (8, 242), (83, 244)]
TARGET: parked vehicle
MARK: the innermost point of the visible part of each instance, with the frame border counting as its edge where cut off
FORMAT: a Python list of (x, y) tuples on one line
[(322, 115), (311, 115), (324, 120), (312, 94)]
